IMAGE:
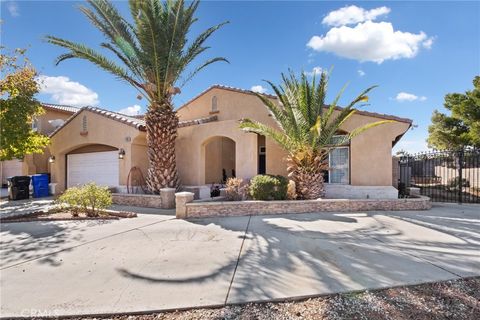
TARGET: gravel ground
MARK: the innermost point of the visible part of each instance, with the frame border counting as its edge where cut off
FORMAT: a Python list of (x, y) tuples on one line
[(456, 299)]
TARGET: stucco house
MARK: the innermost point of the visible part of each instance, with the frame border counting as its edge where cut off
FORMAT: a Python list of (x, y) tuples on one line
[(46, 123), (103, 146)]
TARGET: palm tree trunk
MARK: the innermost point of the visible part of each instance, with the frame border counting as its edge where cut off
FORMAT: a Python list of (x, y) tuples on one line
[(308, 177), (162, 125)]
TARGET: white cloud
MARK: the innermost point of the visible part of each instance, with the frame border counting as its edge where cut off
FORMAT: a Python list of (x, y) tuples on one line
[(405, 96), (427, 44), (370, 41), (361, 73), (12, 8), (315, 71), (352, 15), (258, 89), (65, 91), (131, 111)]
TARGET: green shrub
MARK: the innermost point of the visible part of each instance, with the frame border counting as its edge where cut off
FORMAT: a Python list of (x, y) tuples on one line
[(268, 187), (236, 189), (70, 200), (89, 199)]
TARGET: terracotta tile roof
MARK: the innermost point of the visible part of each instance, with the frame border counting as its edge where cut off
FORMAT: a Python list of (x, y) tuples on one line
[(194, 122), (59, 107), (181, 124), (379, 115), (360, 112), (134, 121), (131, 121)]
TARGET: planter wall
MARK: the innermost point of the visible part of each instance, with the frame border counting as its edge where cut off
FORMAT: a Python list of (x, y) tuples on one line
[(241, 208), (166, 199)]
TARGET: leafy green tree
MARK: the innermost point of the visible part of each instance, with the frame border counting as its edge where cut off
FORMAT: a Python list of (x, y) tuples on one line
[(152, 55), (18, 107), (462, 127), (307, 128)]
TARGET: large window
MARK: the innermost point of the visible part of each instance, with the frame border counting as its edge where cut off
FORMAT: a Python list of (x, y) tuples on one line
[(339, 164), (338, 161)]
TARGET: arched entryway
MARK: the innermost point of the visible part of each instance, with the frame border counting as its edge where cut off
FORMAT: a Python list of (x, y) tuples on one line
[(219, 159)]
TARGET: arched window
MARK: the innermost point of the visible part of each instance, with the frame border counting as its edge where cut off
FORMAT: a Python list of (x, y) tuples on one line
[(214, 104)]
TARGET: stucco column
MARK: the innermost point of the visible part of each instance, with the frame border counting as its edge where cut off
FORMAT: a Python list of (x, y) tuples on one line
[(181, 199), (58, 171), (246, 156), (168, 198)]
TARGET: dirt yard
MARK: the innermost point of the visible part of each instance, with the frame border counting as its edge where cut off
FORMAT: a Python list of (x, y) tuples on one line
[(456, 299)]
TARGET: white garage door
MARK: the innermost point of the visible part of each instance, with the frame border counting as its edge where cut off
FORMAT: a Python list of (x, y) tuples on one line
[(10, 168), (99, 167)]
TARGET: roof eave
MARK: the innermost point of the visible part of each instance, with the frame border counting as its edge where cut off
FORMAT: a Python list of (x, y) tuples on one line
[(105, 113)]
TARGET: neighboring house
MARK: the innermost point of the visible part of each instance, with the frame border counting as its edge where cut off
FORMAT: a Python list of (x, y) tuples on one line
[(54, 116), (103, 146)]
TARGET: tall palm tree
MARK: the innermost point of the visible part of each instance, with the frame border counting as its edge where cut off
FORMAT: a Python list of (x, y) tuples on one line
[(308, 129), (151, 54)]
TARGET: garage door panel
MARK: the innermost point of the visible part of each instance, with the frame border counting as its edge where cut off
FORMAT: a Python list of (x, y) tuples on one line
[(99, 167)]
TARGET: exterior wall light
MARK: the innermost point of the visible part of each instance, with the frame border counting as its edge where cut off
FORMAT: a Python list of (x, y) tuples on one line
[(51, 159), (121, 154)]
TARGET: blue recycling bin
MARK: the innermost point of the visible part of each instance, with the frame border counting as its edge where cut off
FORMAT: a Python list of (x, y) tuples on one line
[(40, 185)]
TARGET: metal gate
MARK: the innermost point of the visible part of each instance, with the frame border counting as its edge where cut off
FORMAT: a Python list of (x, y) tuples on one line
[(446, 176)]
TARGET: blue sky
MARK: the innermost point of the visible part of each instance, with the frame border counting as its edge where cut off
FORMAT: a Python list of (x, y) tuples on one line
[(415, 51)]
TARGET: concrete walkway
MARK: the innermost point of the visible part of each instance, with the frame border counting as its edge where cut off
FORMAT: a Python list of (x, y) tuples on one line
[(155, 262)]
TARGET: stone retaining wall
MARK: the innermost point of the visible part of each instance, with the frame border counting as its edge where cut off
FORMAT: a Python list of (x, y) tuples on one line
[(137, 200), (165, 200), (241, 208)]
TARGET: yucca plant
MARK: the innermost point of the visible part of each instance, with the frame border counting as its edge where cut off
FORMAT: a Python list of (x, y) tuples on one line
[(151, 54), (308, 128)]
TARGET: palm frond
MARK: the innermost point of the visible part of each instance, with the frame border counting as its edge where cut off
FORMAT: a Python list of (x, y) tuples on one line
[(278, 136), (152, 53), (81, 51), (300, 114), (366, 127)]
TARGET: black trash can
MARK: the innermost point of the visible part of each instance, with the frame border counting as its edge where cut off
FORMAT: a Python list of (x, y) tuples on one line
[(18, 187)]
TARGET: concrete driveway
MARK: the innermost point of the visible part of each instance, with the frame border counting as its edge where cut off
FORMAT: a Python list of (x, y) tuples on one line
[(155, 262)]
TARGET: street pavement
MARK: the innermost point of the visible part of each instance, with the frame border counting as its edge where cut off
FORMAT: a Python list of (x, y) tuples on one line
[(156, 262)]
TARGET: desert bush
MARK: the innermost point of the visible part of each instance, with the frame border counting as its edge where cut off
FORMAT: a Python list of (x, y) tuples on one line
[(268, 187), (70, 200), (291, 190), (89, 199), (236, 189)]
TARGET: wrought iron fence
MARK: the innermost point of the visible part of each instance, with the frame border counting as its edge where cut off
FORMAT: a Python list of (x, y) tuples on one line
[(446, 176)]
